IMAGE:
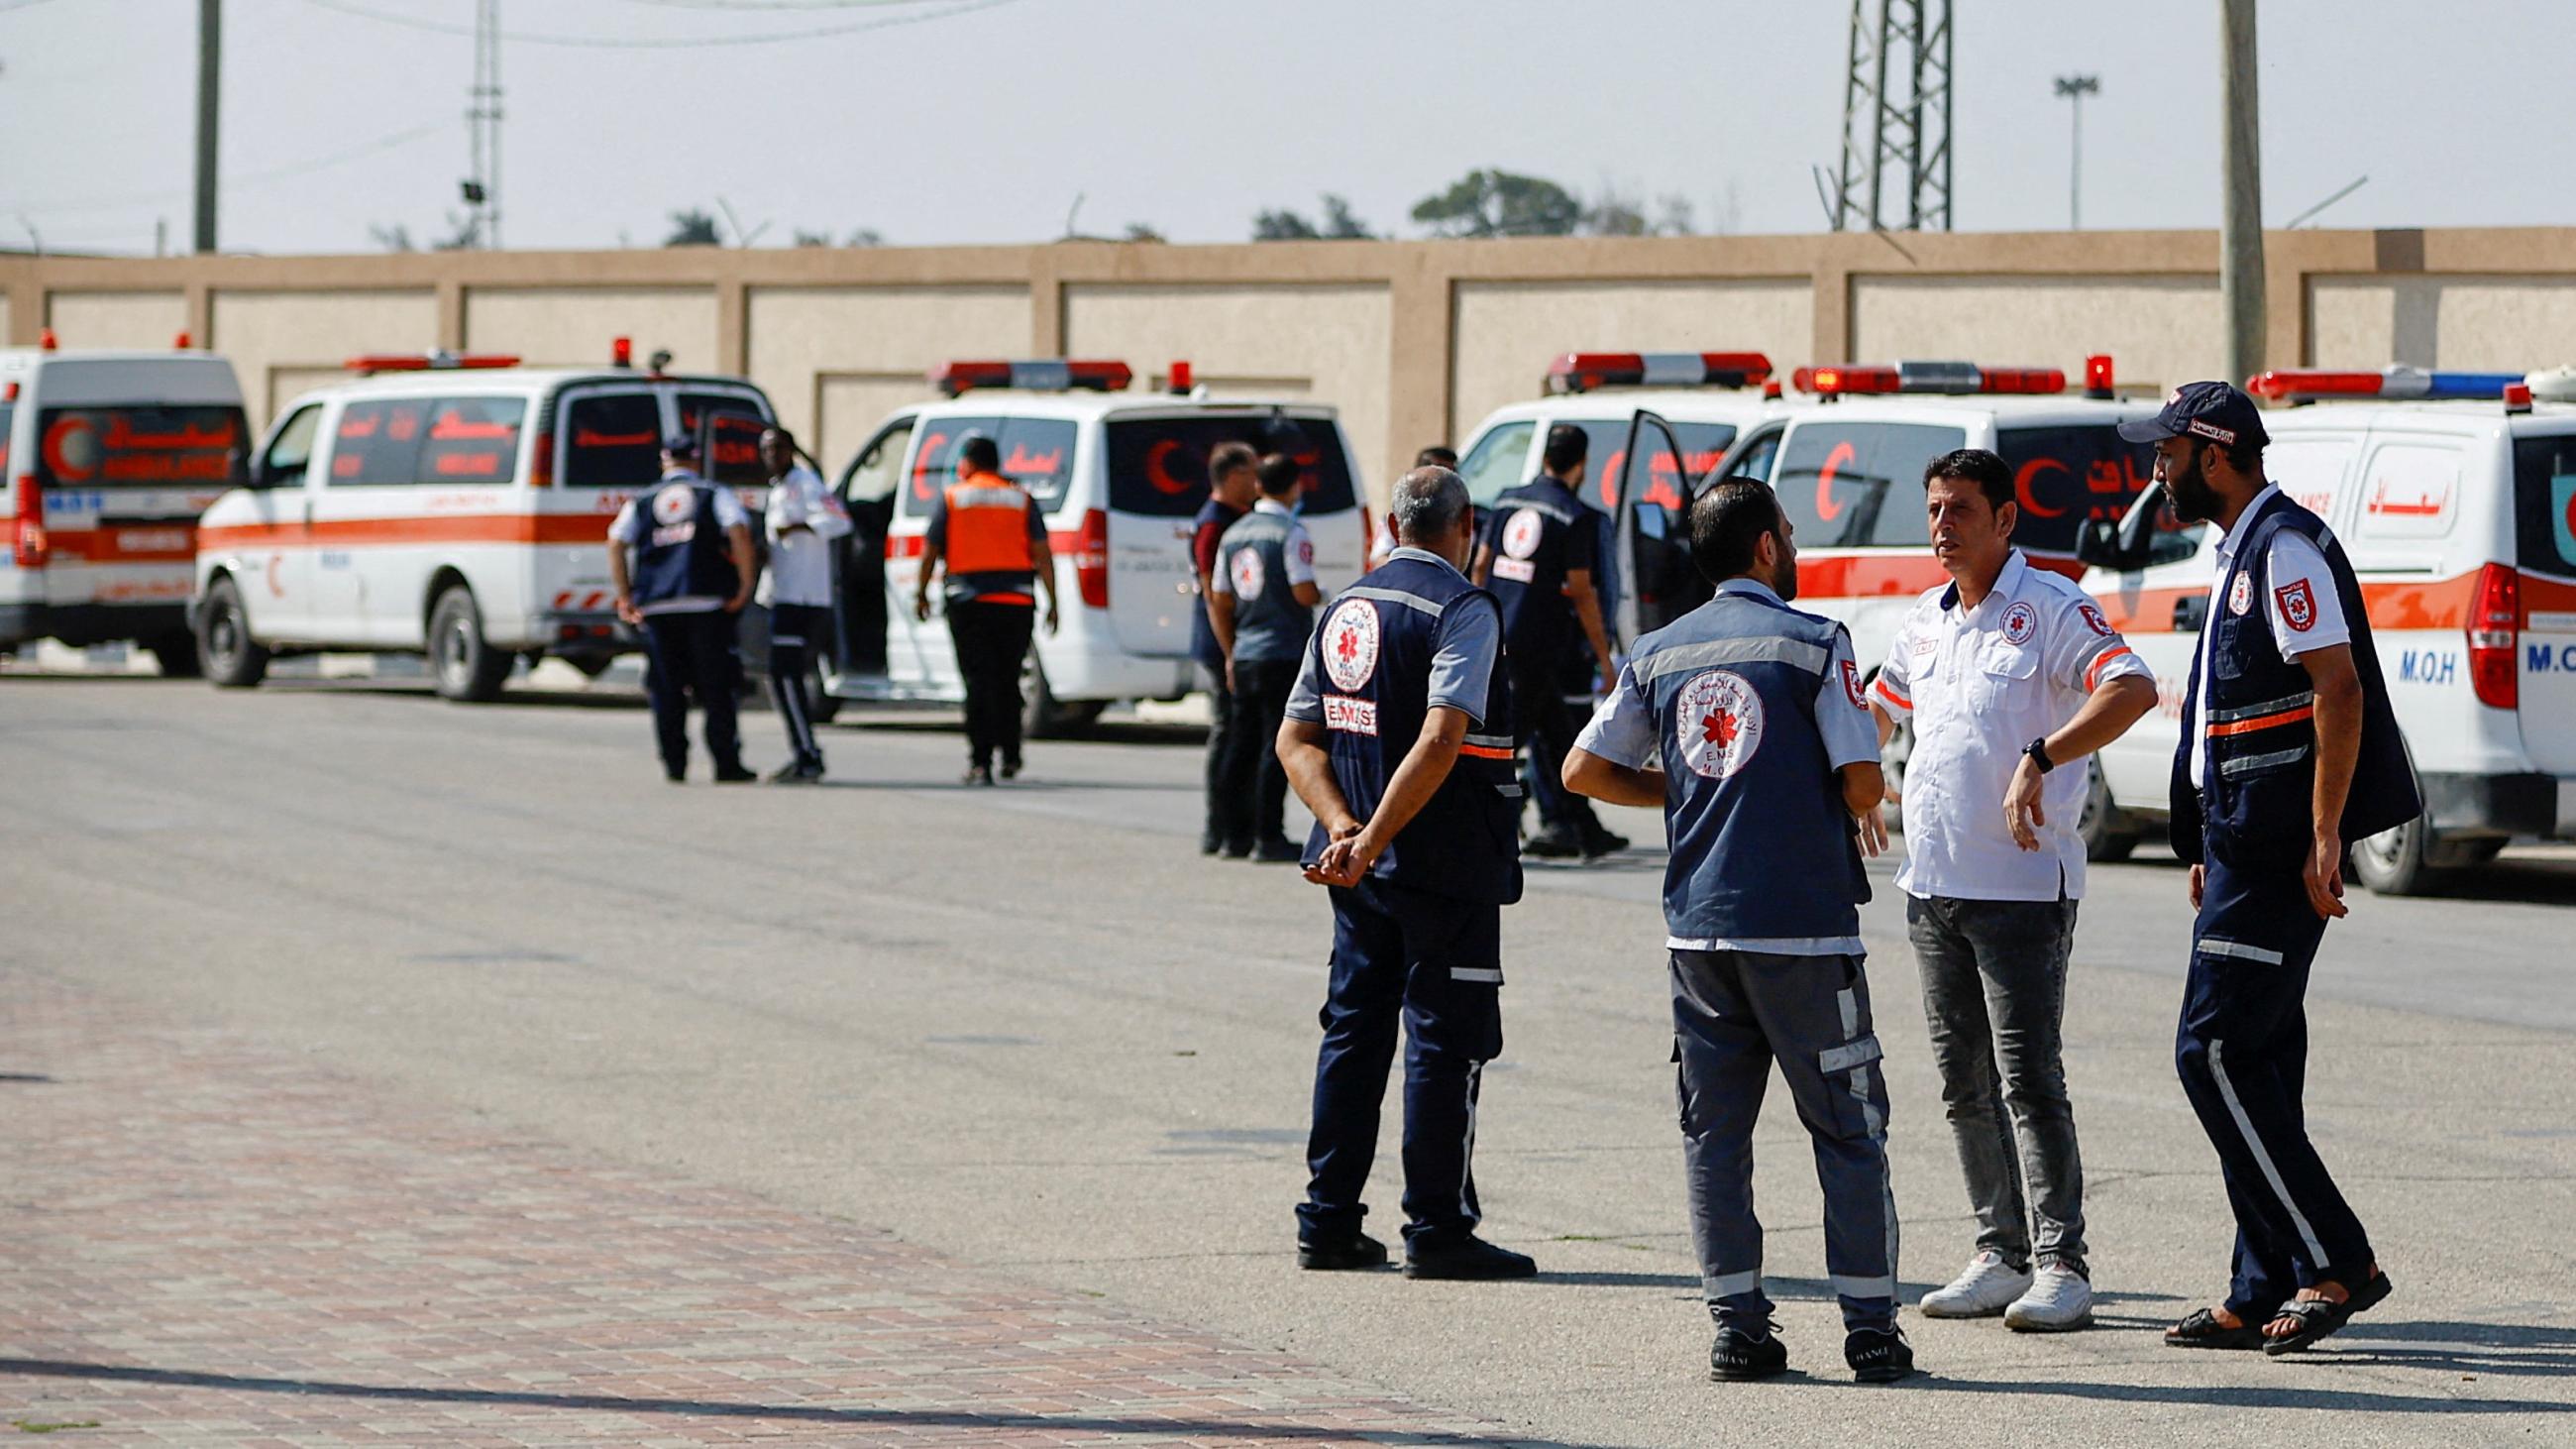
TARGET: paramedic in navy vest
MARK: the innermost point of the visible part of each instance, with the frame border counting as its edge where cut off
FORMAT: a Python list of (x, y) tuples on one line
[(1538, 553), (682, 567), (1744, 720), (1262, 611), (1231, 489), (989, 536), (2289, 749), (1398, 738)]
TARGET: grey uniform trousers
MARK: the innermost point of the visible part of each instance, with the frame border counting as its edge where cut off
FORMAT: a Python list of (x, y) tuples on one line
[(1734, 1014)]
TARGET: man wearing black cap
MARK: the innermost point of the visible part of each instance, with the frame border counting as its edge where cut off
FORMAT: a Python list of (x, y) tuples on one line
[(689, 576), (2289, 749)]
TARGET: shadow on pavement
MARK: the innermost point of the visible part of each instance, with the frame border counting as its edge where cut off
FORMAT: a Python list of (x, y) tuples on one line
[(2237, 1396), (810, 1414)]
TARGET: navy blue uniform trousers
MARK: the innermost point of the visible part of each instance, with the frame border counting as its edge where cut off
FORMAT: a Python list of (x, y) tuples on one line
[(691, 656), (1435, 965), (2242, 1050)]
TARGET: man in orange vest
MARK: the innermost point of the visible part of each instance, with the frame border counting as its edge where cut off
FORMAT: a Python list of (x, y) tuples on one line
[(987, 534)]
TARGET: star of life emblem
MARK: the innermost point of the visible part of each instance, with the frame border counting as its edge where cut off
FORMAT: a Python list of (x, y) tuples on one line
[(1350, 643), (1717, 724)]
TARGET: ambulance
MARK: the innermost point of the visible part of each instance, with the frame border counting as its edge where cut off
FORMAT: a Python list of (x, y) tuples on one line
[(2454, 495), (454, 506), (1120, 477), (109, 457)]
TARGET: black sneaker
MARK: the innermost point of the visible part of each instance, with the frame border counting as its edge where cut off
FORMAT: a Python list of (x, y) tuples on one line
[(1341, 1255), (1278, 851), (1210, 843), (1739, 1356), (1468, 1257), (977, 775), (1878, 1355), (1010, 769), (1603, 844), (1238, 850), (796, 772), (734, 774), (1552, 845)]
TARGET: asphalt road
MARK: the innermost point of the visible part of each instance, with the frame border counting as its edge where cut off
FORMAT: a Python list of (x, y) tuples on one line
[(1030, 1028)]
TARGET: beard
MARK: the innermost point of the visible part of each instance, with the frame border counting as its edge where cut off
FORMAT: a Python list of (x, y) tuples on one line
[(2193, 500), (1784, 579)]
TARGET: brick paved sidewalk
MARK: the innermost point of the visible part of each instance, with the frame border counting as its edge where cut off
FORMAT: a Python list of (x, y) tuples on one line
[(205, 1244)]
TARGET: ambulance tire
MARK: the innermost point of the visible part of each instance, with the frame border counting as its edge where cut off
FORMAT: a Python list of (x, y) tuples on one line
[(465, 666), (2396, 862), (827, 705), (225, 650), (176, 654), (1044, 717), (2107, 834)]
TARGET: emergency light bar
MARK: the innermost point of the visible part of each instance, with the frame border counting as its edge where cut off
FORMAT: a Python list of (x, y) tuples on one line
[(1584, 371), (2398, 383), (1945, 378), (427, 361), (1046, 374)]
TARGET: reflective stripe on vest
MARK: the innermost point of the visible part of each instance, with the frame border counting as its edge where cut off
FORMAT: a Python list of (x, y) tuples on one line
[(988, 528)]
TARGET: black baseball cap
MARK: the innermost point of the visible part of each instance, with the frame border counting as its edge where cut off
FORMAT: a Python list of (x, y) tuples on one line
[(681, 445), (2212, 410)]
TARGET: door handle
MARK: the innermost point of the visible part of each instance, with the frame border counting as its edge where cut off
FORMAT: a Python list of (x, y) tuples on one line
[(2190, 612)]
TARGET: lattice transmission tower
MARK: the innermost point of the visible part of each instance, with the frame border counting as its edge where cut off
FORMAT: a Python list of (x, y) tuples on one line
[(1895, 172)]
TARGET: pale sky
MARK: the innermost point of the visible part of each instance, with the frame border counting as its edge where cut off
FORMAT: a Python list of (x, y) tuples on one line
[(981, 120)]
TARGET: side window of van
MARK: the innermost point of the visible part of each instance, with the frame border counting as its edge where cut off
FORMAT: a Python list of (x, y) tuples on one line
[(1499, 461), (934, 463), (472, 440), (2410, 491), (1037, 454), (378, 442), (288, 457)]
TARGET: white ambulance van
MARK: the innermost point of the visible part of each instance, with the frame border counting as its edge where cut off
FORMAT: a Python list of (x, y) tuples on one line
[(1120, 477), (2454, 495), (452, 506), (110, 457)]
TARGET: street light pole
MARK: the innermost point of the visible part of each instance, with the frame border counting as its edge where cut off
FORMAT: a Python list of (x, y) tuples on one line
[(2075, 88), (210, 75), (2240, 130)]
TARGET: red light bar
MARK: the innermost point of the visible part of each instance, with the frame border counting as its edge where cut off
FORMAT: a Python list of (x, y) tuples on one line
[(2517, 396), (1949, 378), (181, 343), (1584, 371), (1843, 378), (46, 340), (427, 361), (2023, 379), (1048, 374), (2281, 383), (1183, 377), (621, 352), (2097, 376)]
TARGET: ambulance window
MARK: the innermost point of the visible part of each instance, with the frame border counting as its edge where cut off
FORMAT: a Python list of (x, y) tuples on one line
[(933, 464), (2544, 504), (614, 440), (1852, 485), (139, 446), (2310, 470), (874, 475), (1037, 454), (733, 448), (378, 442), (1158, 466), (472, 440), (2066, 476), (1500, 460), (1606, 465), (1758, 457), (292, 452)]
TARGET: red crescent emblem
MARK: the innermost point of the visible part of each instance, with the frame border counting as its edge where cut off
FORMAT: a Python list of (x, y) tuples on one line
[(1826, 508), (923, 462), (275, 589), (57, 457), (2023, 487), (1158, 470)]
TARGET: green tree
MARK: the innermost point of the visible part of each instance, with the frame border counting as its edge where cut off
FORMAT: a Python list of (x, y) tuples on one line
[(1339, 223), (1500, 203), (695, 227)]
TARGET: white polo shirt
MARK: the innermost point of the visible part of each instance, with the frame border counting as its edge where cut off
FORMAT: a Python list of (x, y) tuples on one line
[(2305, 611), (1979, 685)]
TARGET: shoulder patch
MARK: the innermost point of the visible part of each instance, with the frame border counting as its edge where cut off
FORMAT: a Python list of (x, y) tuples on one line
[(2298, 605)]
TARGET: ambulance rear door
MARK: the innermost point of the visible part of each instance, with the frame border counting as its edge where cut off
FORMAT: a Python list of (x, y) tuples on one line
[(128, 454), (2544, 493)]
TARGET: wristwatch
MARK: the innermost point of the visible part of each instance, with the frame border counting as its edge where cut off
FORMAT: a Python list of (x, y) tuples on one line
[(2038, 751)]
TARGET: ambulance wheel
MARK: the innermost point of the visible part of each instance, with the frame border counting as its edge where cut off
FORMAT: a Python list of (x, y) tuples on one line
[(2395, 862), (2107, 834), (1044, 717), (176, 653), (466, 667), (225, 651)]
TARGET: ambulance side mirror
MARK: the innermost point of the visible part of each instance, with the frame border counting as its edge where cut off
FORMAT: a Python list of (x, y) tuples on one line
[(2099, 545)]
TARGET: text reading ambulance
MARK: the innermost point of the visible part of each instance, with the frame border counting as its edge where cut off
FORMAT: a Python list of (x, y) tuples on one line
[(2454, 496), (1119, 477), (453, 506), (110, 457)]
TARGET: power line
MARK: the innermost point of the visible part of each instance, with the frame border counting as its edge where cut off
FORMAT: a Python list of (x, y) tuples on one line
[(623, 42), (249, 179)]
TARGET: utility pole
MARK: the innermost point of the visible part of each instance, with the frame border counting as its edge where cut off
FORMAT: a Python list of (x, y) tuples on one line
[(210, 77), (1896, 118), (483, 120), (2240, 257), (2075, 88)]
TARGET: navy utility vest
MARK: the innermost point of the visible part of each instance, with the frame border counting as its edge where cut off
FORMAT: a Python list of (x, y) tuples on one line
[(1269, 623), (1372, 664), (1531, 530), (1761, 843), (684, 553), (2259, 722)]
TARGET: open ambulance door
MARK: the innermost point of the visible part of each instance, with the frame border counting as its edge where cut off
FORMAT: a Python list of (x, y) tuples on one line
[(1653, 533)]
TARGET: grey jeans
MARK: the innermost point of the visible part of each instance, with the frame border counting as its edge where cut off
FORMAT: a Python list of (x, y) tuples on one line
[(1994, 993)]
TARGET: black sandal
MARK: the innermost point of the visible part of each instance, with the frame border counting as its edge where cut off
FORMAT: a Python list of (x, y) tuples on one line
[(2203, 1330), (2319, 1317)]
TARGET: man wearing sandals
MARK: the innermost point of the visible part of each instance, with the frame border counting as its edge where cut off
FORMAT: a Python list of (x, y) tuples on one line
[(2289, 749)]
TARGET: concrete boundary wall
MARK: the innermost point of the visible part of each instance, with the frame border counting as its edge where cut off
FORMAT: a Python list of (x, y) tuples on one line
[(1414, 340)]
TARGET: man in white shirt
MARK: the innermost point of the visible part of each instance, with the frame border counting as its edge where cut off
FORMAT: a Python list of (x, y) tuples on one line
[(803, 519), (2011, 676)]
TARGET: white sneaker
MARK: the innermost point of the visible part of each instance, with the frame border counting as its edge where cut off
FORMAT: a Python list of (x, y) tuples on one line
[(2059, 1299), (1983, 1291)]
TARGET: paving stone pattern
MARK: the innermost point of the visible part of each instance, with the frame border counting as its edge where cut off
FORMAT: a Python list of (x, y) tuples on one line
[(206, 1244)]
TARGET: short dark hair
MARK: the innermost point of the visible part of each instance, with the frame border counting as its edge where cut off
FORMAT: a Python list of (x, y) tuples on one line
[(1728, 522), (1566, 446), (1992, 475), (2244, 457), (1436, 456), (978, 451), (1279, 474), (1229, 456)]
